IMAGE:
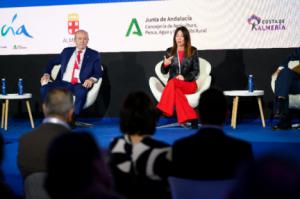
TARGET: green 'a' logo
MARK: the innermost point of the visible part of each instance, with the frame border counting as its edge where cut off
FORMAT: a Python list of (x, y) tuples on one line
[(137, 30)]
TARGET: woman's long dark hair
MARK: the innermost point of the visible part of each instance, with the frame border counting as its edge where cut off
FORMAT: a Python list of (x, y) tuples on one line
[(188, 51), (138, 114)]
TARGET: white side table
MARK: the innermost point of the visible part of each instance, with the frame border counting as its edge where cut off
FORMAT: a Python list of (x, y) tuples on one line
[(244, 93), (5, 106)]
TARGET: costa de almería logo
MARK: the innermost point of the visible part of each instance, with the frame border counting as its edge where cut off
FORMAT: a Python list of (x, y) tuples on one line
[(266, 24)]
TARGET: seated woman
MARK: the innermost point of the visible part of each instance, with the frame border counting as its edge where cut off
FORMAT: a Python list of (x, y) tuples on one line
[(182, 63), (138, 162)]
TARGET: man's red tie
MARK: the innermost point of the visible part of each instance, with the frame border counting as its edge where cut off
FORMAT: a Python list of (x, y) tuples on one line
[(74, 80)]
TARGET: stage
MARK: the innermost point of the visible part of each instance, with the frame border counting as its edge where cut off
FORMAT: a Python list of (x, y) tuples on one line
[(263, 140)]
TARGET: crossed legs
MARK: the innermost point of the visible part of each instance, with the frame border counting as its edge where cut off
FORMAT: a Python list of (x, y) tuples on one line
[(174, 97)]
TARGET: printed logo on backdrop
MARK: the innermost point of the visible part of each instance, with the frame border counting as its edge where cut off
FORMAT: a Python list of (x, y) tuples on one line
[(17, 46), (14, 29), (163, 25), (73, 23), (265, 24), (134, 28), (73, 26)]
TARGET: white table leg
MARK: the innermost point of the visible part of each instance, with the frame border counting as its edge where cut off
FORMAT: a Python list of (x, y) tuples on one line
[(232, 112), (261, 112), (236, 102), (30, 114), (3, 114), (6, 113)]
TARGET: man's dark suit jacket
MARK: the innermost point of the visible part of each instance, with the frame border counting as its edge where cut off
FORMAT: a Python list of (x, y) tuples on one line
[(295, 55), (209, 154), (91, 65), (33, 147), (287, 81)]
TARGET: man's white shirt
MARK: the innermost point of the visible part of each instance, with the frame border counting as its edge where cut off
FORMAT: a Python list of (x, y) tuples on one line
[(67, 76)]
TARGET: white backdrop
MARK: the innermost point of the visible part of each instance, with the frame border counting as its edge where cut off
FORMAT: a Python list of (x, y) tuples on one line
[(214, 24)]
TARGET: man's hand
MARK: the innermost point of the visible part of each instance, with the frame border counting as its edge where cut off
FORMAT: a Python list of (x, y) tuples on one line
[(276, 73), (45, 78), (88, 83)]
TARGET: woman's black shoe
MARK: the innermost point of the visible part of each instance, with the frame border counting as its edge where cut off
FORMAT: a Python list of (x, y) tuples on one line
[(194, 124)]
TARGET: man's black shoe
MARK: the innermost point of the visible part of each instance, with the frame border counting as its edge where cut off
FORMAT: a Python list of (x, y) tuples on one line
[(83, 124), (75, 124), (72, 123), (282, 125)]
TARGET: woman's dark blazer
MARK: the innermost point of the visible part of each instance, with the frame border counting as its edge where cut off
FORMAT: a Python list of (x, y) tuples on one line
[(189, 67)]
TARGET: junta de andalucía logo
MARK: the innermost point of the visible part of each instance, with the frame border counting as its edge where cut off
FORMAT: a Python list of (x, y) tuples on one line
[(134, 28)]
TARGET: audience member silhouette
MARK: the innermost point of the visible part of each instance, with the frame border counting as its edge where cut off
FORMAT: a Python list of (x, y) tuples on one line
[(5, 191), (76, 169), (138, 162), (33, 146), (210, 153), (269, 177)]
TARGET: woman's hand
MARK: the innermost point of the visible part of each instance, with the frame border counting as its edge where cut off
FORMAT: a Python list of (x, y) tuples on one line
[(180, 77), (167, 61)]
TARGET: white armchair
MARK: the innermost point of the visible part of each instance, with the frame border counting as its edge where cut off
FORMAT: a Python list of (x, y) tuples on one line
[(294, 99), (157, 85), (91, 95)]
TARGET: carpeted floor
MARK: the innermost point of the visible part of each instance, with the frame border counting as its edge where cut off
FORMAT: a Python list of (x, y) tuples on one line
[(263, 140)]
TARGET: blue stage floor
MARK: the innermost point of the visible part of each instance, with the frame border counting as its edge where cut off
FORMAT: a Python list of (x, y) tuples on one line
[(263, 140)]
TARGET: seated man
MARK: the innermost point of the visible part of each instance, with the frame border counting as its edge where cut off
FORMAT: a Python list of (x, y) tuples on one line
[(210, 154), (287, 82), (80, 69)]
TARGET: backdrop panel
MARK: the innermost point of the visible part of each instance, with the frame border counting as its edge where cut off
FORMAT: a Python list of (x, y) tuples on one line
[(149, 25)]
